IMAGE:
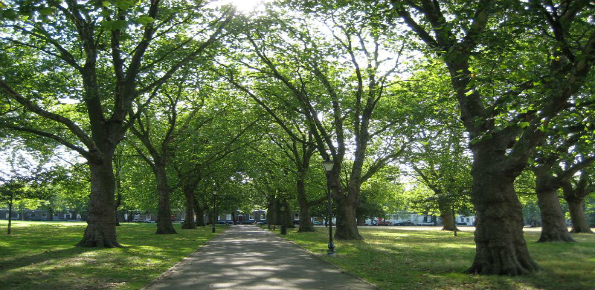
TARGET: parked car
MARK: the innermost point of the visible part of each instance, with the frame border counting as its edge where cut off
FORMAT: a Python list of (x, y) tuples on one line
[(317, 223), (261, 222), (384, 223), (248, 222), (404, 224)]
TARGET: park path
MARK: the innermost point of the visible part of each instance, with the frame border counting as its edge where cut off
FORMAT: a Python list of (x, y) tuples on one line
[(248, 257)]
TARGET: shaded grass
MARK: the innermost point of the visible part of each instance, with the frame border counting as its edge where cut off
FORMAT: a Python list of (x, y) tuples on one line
[(42, 255), (404, 259)]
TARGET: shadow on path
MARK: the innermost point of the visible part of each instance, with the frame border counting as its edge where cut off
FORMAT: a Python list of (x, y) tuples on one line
[(247, 257)]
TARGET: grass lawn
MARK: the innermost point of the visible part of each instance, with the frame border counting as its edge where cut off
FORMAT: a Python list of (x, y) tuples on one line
[(402, 258), (42, 255)]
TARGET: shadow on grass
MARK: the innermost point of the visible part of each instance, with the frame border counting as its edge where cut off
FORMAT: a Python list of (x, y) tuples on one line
[(44, 257), (394, 259)]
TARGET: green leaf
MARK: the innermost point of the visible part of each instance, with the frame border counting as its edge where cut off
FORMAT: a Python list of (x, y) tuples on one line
[(524, 124), (144, 20), (114, 25), (47, 11), (124, 4)]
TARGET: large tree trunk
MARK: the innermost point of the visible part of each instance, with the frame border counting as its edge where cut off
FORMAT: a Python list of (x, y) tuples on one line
[(448, 220), (271, 212), (164, 224), (189, 219), (287, 215), (200, 216), (346, 219), (575, 197), (50, 214), (101, 225), (553, 226), (306, 224), (577, 215), (500, 246)]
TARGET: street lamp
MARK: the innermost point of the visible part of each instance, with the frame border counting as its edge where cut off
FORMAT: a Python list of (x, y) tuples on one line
[(214, 210), (328, 167)]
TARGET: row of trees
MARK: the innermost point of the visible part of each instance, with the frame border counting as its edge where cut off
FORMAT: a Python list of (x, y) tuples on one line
[(464, 96)]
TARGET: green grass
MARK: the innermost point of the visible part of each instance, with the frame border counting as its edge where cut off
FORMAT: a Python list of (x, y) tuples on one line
[(392, 258), (42, 255)]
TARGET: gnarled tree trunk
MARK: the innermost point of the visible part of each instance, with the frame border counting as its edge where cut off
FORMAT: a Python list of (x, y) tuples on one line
[(577, 215), (500, 245), (575, 198), (553, 225)]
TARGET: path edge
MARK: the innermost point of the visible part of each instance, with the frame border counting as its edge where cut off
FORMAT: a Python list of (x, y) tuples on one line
[(320, 259), (169, 271)]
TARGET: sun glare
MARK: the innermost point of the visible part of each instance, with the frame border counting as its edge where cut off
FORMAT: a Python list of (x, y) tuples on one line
[(246, 6)]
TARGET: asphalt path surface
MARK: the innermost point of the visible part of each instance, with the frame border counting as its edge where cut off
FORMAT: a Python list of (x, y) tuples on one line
[(248, 257)]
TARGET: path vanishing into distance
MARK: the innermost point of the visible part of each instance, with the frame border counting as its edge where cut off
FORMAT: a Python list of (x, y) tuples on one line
[(248, 257)]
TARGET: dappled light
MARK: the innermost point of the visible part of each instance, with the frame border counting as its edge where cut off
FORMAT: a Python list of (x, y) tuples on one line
[(414, 258), (247, 257), (48, 256)]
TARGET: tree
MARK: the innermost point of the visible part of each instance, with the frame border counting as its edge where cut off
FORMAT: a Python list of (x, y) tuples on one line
[(439, 156), (336, 84), (550, 177), (540, 87), (87, 94), (575, 192), (11, 190)]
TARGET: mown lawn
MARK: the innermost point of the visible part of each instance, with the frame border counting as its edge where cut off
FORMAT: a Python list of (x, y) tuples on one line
[(394, 258), (42, 255)]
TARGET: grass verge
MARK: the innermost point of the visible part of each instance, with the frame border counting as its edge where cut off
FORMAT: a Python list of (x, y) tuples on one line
[(393, 258), (42, 255)]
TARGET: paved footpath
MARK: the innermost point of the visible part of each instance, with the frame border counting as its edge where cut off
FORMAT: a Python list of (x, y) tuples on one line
[(248, 257)]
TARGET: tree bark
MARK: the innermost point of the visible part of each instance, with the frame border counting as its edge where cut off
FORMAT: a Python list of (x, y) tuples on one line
[(553, 225), (448, 220), (271, 212), (500, 246), (577, 215), (200, 215), (189, 219), (346, 219), (306, 224), (101, 226), (287, 215), (164, 224), (575, 198), (50, 214), (10, 203)]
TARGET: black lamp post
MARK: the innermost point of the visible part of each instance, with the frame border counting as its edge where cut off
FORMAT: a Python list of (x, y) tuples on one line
[(214, 210), (328, 167)]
